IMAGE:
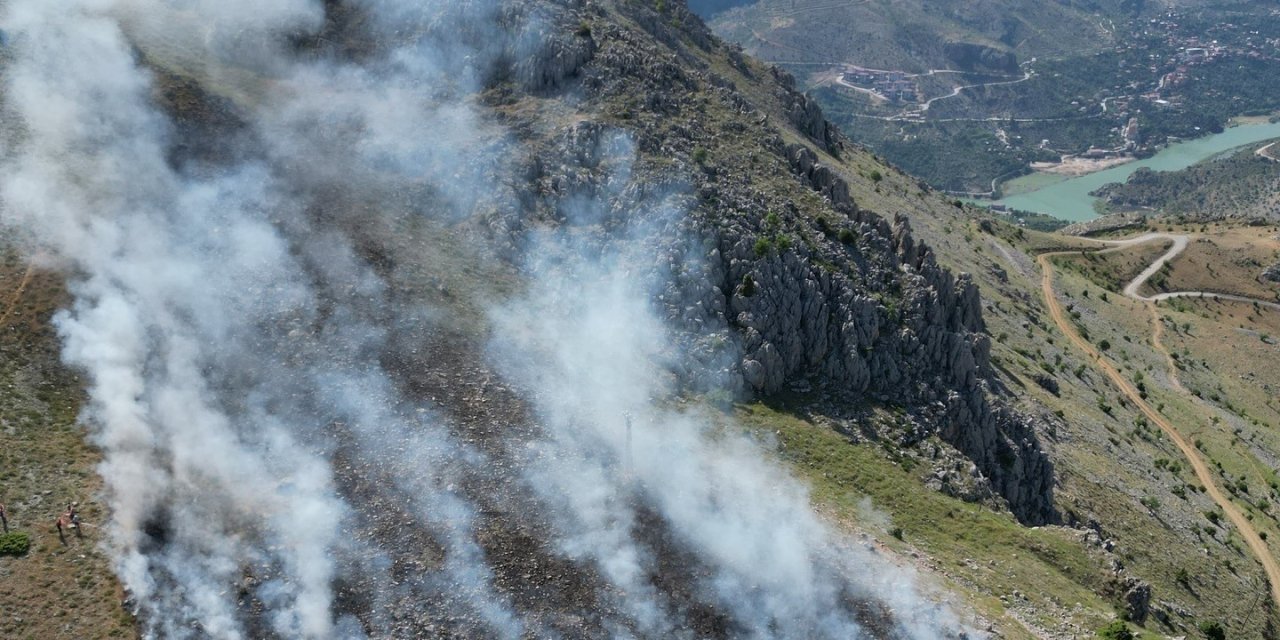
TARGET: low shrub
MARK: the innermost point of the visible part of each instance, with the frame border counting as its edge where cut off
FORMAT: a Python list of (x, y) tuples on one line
[(15, 543)]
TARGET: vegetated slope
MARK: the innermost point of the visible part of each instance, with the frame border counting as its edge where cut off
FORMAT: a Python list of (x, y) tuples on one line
[(1113, 450), (60, 588), (712, 7), (979, 107), (1118, 483), (1239, 185)]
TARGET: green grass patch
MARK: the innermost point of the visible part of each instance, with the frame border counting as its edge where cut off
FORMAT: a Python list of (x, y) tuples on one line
[(992, 552)]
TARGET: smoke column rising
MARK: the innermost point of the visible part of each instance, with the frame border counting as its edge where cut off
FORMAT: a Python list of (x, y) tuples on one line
[(234, 334)]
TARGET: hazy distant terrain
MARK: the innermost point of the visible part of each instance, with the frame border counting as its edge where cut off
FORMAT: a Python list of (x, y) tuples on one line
[(998, 85)]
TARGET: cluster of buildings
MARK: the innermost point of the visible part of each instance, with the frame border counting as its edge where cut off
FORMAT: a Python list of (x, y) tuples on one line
[(1188, 57), (891, 85)]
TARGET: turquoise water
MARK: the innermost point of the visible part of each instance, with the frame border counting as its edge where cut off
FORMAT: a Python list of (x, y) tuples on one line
[(1070, 199)]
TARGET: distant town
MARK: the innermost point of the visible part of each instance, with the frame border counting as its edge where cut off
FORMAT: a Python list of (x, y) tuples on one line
[(893, 86)]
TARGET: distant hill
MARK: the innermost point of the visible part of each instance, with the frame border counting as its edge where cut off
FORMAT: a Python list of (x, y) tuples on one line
[(1241, 184), (988, 87)]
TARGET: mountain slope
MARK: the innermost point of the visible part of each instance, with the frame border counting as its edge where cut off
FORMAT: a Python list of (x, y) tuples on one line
[(446, 367), (422, 320)]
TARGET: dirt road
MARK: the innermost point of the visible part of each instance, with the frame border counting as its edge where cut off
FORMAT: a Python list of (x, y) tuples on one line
[(1192, 455), (1269, 152), (1180, 243), (17, 294)]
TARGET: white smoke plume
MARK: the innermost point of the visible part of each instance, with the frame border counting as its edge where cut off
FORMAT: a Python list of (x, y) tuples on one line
[(588, 344), (269, 475)]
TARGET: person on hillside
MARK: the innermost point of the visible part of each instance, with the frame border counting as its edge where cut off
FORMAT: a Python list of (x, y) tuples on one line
[(4, 518)]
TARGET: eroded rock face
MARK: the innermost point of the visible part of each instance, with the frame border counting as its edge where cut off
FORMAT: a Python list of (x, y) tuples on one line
[(806, 115), (766, 293), (820, 177), (557, 62), (1137, 599)]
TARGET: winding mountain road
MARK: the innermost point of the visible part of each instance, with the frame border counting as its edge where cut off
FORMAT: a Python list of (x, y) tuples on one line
[(958, 90), (1202, 471), (1180, 243)]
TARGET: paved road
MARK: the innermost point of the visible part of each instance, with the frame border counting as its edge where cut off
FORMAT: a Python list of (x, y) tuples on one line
[(1203, 473)]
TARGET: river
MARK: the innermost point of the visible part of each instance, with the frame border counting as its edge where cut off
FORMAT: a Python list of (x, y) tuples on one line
[(1069, 199)]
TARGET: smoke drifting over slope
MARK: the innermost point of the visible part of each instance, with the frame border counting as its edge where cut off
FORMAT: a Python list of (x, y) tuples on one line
[(244, 322)]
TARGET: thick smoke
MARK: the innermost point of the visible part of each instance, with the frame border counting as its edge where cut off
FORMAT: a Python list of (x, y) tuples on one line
[(587, 342), (269, 469)]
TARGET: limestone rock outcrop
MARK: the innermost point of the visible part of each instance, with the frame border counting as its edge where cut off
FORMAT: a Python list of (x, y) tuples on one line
[(774, 275)]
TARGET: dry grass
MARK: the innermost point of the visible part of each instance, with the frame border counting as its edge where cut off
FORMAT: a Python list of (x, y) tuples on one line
[(57, 590), (1112, 270), (1229, 357)]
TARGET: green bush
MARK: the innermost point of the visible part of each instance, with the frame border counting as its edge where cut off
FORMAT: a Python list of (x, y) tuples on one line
[(1213, 631), (14, 544), (1116, 630)]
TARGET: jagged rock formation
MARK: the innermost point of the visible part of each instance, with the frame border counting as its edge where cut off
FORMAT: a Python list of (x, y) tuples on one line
[(811, 289), (771, 273), (1137, 599), (806, 115), (787, 279)]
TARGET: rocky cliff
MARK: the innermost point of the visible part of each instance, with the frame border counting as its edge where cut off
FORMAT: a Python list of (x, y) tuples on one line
[(811, 288)]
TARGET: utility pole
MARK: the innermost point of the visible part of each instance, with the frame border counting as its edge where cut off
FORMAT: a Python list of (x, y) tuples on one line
[(626, 455)]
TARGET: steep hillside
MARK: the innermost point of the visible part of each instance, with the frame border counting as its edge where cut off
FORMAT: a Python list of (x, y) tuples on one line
[(560, 319), (449, 367)]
